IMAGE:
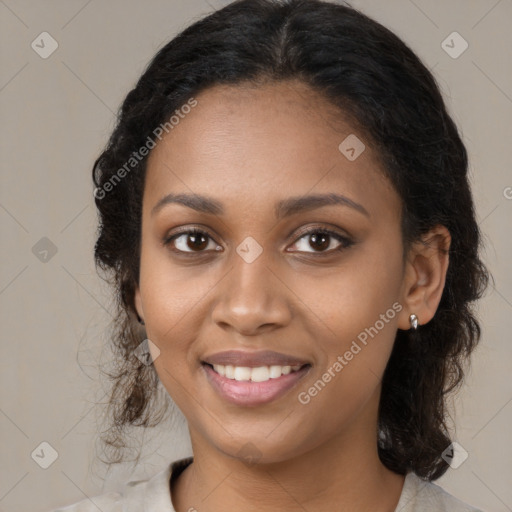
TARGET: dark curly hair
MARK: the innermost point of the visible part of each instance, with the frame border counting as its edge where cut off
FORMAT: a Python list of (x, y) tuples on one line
[(370, 77)]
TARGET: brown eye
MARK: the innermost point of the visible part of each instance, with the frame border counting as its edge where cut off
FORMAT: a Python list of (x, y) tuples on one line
[(320, 240), (197, 241), (191, 241)]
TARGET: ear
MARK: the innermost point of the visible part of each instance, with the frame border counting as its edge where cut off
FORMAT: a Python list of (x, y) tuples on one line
[(425, 276), (138, 303)]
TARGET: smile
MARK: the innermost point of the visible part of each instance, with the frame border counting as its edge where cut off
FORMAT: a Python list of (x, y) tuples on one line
[(259, 374), (245, 386)]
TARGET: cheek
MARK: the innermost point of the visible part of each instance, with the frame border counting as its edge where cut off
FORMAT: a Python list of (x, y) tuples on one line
[(170, 294), (353, 320), (346, 386), (355, 296), (174, 306)]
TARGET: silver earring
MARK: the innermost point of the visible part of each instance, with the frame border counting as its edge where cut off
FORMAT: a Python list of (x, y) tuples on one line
[(413, 319)]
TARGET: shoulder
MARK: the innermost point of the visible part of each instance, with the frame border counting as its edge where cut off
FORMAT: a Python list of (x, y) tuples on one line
[(150, 494), (421, 496), (109, 502)]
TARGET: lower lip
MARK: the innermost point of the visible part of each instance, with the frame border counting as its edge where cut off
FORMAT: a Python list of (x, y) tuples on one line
[(249, 393)]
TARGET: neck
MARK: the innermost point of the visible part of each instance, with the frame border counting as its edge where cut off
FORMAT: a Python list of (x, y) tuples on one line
[(344, 473)]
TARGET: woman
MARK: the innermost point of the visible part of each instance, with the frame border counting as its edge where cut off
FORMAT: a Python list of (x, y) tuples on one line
[(284, 207)]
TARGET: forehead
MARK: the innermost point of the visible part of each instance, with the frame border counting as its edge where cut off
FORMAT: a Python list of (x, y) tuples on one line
[(257, 144)]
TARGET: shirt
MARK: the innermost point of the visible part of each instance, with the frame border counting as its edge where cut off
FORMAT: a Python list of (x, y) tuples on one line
[(153, 495)]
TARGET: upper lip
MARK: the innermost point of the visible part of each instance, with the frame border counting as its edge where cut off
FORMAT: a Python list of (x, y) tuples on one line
[(253, 359)]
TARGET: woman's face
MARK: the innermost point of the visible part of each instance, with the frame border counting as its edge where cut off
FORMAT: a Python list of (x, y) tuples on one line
[(262, 286)]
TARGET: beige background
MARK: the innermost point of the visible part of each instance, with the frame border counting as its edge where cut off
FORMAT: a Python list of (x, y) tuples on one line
[(57, 113)]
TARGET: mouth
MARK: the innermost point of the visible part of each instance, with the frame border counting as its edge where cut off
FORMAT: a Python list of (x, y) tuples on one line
[(251, 379), (257, 374)]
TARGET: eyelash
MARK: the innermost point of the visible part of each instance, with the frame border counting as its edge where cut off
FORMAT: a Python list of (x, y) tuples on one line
[(344, 240)]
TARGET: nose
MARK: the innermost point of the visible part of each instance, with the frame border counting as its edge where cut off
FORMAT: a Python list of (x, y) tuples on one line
[(252, 298)]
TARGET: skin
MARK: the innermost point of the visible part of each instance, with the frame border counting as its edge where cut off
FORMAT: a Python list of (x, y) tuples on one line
[(249, 147)]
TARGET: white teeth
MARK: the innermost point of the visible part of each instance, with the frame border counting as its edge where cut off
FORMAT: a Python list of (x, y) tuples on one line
[(221, 370), (275, 372), (229, 371), (259, 374), (242, 373)]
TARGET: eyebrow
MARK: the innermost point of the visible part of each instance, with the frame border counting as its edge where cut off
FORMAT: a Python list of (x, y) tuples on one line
[(283, 208)]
